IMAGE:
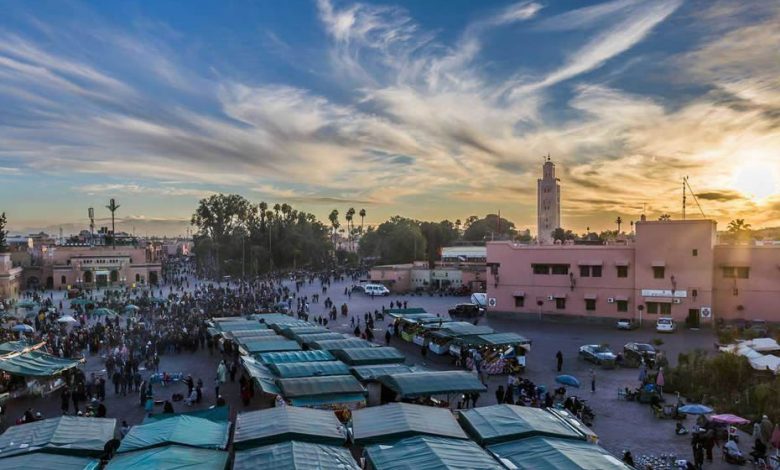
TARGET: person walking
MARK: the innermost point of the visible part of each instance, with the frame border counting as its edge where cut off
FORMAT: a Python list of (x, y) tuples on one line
[(388, 335), (559, 360), (222, 372), (593, 381), (500, 394)]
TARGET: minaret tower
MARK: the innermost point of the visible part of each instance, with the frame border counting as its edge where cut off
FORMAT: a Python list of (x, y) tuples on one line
[(548, 203)]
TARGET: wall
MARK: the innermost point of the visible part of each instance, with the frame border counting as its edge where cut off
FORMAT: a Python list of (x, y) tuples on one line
[(759, 294)]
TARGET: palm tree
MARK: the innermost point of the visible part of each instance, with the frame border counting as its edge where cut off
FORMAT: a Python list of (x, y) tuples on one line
[(618, 221), (362, 216), (665, 217), (277, 208), (334, 223), (349, 216), (263, 207), (738, 226)]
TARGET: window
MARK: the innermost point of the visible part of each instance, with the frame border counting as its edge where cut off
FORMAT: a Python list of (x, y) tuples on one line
[(652, 308), (519, 301), (666, 308), (560, 303), (622, 271), (590, 304), (728, 272), (622, 305), (658, 272), (584, 271), (560, 269), (63, 280), (595, 271), (739, 272), (541, 269), (695, 252), (743, 272)]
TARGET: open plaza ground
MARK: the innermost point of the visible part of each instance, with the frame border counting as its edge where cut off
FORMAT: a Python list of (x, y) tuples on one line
[(619, 424)]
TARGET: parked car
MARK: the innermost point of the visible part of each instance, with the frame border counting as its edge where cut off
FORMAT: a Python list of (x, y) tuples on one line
[(376, 289), (759, 327), (665, 325), (627, 324), (639, 351), (466, 310), (597, 354)]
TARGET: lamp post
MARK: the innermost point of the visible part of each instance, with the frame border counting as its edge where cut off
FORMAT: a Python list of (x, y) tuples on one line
[(640, 308)]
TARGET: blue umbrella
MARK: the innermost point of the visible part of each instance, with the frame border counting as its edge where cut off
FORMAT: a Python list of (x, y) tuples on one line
[(569, 380), (695, 409), (23, 328)]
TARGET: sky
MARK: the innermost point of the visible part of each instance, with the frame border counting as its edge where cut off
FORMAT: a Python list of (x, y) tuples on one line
[(430, 110)]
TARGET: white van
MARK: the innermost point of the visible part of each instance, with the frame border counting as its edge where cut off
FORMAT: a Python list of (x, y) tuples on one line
[(665, 325), (376, 290), (479, 298)]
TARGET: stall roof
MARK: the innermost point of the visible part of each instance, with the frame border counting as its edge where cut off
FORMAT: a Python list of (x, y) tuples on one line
[(17, 346), (314, 386), (240, 325), (35, 364), (180, 430), (420, 318), (430, 452), (273, 318), (263, 376), (328, 401), (501, 339), (309, 369), (500, 423), (170, 457), (394, 421), (216, 414), (44, 461), (263, 427), (371, 372), (462, 328), (73, 435), (417, 384), (295, 356), (546, 453), (242, 334), (262, 346), (348, 343), (295, 455), (292, 323), (292, 331), (312, 337), (370, 356)]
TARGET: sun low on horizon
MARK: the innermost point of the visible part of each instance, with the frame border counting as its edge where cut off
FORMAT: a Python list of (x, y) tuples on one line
[(757, 181)]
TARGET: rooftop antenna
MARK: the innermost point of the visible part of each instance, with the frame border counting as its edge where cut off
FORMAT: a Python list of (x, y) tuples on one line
[(113, 206), (695, 199), (91, 212), (684, 181)]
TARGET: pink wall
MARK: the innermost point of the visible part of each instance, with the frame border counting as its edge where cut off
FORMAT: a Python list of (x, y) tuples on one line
[(692, 281)]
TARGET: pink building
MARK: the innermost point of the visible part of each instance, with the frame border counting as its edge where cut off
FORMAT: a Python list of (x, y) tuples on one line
[(673, 268)]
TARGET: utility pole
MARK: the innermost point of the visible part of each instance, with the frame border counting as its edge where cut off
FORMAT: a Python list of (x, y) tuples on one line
[(684, 195), (113, 206), (91, 212)]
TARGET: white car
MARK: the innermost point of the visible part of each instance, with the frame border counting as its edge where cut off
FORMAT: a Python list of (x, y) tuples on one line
[(479, 298), (376, 290), (665, 325)]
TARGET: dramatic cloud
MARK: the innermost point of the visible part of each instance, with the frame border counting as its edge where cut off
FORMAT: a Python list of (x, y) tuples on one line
[(377, 108)]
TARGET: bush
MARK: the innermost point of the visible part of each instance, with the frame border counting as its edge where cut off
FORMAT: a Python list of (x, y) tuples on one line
[(657, 342)]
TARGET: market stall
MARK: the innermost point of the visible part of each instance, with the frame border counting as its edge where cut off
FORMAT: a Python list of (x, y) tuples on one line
[(429, 452), (269, 426), (71, 435), (172, 456), (490, 425), (498, 353), (309, 369), (394, 421), (295, 356), (184, 430), (370, 356), (421, 386), (547, 453), (295, 455), (336, 392), (32, 372)]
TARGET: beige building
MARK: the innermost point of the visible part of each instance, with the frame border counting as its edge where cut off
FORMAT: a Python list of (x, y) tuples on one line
[(10, 277)]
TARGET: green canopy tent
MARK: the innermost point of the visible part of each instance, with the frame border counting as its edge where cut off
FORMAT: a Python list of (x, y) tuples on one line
[(460, 328), (430, 453), (170, 457), (292, 331), (263, 427), (312, 337), (280, 326), (370, 356), (276, 319), (500, 423), (104, 312), (505, 339), (394, 421), (371, 372), (35, 364), (323, 391), (28, 304), (546, 453), (44, 461), (19, 346), (240, 325), (71, 435), (295, 356), (157, 300), (262, 345), (238, 335), (309, 369), (295, 455), (420, 384), (216, 414), (180, 430), (334, 344), (262, 376), (399, 312)]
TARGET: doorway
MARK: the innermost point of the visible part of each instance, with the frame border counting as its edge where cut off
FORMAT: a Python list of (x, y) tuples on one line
[(692, 321)]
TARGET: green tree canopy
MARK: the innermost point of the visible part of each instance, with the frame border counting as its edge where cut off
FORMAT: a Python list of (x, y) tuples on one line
[(3, 234), (398, 240), (490, 227)]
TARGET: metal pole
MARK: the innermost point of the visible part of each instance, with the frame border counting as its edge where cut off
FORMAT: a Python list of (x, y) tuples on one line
[(243, 257)]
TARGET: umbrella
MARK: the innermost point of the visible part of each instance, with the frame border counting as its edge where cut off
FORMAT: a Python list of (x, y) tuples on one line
[(729, 419), (695, 409), (67, 319), (27, 304), (569, 380), (157, 300), (132, 308), (104, 311), (24, 328)]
